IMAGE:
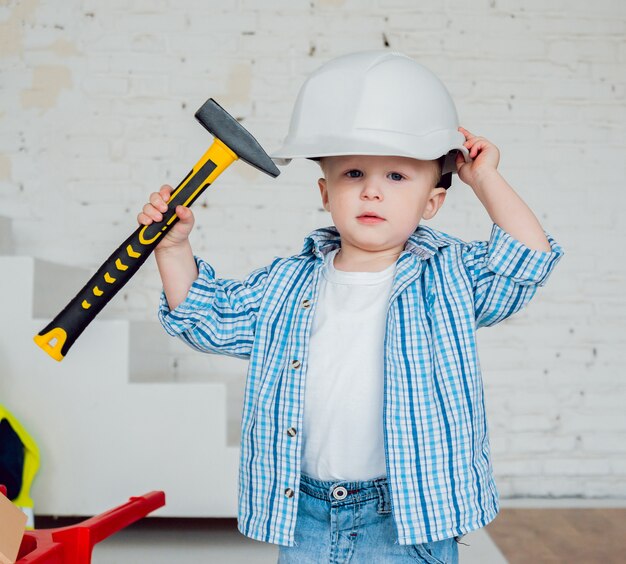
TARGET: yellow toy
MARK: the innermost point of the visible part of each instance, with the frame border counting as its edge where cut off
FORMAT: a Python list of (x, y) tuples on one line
[(30, 467)]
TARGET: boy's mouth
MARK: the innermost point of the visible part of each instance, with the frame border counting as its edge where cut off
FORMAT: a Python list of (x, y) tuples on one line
[(369, 217)]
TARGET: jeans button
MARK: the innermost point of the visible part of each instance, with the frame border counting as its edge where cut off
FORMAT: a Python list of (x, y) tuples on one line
[(340, 493)]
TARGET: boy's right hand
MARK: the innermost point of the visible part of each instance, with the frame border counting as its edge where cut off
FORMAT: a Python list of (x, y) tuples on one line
[(153, 211)]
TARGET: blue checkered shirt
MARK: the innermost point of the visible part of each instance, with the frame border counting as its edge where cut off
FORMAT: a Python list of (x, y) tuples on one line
[(436, 441)]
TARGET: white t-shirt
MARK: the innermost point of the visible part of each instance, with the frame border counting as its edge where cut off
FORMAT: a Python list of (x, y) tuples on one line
[(343, 405)]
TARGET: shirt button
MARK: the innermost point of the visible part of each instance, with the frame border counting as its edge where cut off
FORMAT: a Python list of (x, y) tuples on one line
[(291, 431), (306, 304), (289, 492), (295, 364)]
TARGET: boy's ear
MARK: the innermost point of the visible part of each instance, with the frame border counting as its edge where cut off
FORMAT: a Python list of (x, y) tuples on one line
[(435, 201), (323, 193)]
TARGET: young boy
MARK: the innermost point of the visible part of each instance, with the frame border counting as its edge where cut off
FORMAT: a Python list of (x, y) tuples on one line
[(364, 436)]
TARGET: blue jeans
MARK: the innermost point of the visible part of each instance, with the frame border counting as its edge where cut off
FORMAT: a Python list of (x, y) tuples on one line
[(351, 522)]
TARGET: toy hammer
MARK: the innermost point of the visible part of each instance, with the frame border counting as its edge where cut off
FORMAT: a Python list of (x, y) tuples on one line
[(231, 142)]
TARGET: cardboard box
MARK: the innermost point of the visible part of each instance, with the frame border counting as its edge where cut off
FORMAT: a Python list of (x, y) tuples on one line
[(12, 527)]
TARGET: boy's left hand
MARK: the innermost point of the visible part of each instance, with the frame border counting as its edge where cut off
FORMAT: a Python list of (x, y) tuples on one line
[(484, 154)]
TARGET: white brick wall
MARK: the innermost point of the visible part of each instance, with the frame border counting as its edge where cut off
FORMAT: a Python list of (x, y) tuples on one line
[(97, 103)]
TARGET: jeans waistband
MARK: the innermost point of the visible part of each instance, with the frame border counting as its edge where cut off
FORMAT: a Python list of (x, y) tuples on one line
[(355, 492)]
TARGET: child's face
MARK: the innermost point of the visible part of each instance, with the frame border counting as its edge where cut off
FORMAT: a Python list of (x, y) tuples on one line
[(377, 202)]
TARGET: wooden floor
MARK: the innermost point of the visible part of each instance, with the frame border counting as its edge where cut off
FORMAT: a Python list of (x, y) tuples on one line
[(569, 536)]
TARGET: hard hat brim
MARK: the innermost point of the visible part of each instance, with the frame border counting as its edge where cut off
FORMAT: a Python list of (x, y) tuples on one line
[(426, 148)]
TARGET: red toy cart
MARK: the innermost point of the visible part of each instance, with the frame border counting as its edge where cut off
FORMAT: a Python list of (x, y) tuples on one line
[(74, 544)]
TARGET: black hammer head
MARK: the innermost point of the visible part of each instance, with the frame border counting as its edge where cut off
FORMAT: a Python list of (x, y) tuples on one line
[(228, 130)]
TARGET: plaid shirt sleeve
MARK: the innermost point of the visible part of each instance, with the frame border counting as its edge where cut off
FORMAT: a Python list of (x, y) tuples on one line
[(218, 315), (506, 274)]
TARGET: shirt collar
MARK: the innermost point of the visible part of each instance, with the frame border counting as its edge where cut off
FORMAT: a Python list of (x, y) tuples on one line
[(424, 242)]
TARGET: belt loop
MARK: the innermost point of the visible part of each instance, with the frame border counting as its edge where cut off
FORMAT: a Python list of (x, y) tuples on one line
[(384, 504)]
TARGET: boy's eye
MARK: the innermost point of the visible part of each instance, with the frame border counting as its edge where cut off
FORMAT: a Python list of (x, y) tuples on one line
[(395, 176), (354, 173)]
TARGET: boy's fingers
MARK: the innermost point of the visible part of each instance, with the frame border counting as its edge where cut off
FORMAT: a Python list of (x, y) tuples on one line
[(165, 192), (153, 213), (476, 143), (183, 213), (479, 146), (476, 149), (143, 219), (156, 199)]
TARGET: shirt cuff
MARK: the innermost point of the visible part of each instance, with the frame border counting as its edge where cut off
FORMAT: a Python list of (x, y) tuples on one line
[(512, 259), (187, 314)]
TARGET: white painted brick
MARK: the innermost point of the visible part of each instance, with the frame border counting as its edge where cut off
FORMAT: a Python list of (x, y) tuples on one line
[(96, 126), (534, 7), (149, 85), (533, 442), (589, 49), (124, 42), (416, 21), (468, 7), (603, 488), (83, 168), (334, 6), (171, 21), (515, 487), (573, 26), (147, 6), (576, 467), (582, 89), (95, 7), (608, 443), (267, 44), (195, 52), (607, 421), (511, 91), (276, 5), (519, 467), (609, 398), (131, 62), (534, 422), (528, 48), (90, 146), (98, 85), (619, 466), (227, 21), (44, 38)]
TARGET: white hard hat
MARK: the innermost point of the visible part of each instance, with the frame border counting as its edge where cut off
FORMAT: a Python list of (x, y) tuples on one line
[(374, 103)]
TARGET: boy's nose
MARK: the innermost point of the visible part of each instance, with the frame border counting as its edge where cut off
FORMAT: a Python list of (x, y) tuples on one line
[(371, 190)]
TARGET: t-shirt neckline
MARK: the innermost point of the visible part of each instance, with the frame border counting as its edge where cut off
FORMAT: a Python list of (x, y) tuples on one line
[(361, 278)]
